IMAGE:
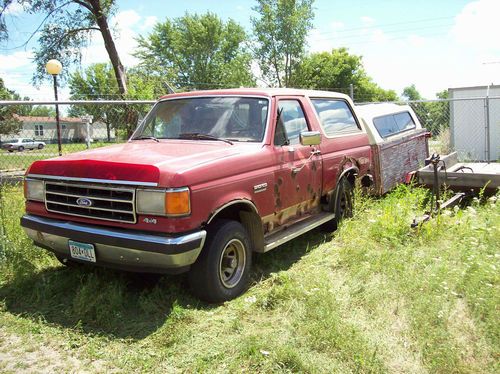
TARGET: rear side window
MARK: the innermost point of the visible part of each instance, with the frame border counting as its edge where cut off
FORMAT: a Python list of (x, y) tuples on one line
[(393, 124), (335, 117)]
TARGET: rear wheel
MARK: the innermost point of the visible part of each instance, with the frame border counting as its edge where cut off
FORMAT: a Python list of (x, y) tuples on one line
[(342, 206), (20, 148), (222, 271)]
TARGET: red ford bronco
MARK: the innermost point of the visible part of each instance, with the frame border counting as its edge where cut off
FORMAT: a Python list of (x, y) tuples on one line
[(208, 178)]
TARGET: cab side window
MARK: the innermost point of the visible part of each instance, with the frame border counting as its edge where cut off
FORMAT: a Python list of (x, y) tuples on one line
[(291, 123), (335, 117)]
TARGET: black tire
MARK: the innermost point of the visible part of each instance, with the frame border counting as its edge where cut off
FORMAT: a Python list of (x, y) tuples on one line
[(40, 146), (342, 205), (221, 272), (20, 148), (11, 150)]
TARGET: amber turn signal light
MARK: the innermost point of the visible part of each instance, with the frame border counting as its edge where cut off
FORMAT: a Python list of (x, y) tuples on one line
[(177, 202)]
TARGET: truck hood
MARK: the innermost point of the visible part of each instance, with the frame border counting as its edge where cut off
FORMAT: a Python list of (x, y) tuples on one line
[(139, 161)]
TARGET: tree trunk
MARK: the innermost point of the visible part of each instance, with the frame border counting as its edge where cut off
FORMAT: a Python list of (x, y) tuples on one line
[(109, 43)]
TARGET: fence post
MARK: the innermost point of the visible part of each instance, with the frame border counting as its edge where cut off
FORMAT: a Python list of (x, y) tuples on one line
[(2, 222), (487, 125), (351, 91)]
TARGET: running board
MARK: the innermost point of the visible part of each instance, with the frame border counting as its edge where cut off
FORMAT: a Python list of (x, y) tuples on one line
[(297, 229)]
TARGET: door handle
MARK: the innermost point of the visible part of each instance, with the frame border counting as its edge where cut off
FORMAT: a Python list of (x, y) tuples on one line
[(315, 152)]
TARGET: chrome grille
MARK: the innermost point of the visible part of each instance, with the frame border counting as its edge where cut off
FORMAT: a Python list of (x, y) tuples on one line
[(106, 203)]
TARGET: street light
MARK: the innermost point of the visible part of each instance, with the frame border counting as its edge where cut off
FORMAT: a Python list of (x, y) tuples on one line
[(54, 68)]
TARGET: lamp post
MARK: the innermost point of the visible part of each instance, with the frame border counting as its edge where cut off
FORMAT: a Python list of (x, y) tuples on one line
[(54, 68)]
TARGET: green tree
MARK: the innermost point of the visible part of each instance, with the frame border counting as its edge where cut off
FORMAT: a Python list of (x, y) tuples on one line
[(42, 111), (280, 34), (197, 52), (97, 82), (411, 93), (438, 117), (335, 71), (9, 123), (66, 29)]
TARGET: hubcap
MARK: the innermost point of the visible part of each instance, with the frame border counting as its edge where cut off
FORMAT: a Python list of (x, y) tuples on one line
[(232, 263)]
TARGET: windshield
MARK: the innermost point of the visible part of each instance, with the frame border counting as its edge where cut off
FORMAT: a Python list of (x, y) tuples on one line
[(241, 119)]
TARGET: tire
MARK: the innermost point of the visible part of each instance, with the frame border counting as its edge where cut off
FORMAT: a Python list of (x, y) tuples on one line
[(221, 272), (11, 150), (40, 146), (343, 206), (20, 148), (344, 203)]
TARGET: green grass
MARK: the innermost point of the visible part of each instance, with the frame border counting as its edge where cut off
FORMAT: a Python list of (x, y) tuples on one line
[(21, 160), (375, 297)]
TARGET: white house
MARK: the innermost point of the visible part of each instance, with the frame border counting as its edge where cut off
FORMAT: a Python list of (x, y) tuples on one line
[(73, 129)]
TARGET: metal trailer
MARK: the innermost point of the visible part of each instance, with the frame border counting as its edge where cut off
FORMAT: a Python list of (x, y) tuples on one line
[(460, 176), (464, 178)]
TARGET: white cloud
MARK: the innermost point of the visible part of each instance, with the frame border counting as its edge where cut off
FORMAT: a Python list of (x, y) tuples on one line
[(477, 25), (124, 25), (126, 18), (149, 22), (337, 25), (367, 21), (14, 9), (416, 41), (14, 61), (378, 36)]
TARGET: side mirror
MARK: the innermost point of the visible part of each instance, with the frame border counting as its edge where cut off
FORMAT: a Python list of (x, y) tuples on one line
[(310, 138)]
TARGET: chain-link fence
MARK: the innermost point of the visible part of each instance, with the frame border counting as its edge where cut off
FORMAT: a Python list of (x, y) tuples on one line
[(26, 135), (469, 126)]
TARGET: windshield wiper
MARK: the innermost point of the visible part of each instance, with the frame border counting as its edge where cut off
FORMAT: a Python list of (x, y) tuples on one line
[(146, 137), (197, 135)]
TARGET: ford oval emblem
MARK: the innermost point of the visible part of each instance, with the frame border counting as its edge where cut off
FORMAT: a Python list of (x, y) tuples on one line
[(83, 201)]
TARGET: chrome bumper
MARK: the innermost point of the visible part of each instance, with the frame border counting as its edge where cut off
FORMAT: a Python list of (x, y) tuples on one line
[(124, 249)]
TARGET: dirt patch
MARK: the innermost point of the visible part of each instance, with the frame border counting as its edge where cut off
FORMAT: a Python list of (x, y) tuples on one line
[(473, 348), (21, 355)]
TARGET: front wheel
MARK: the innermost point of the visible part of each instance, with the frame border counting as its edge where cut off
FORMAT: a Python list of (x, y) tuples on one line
[(222, 271), (40, 146), (20, 148)]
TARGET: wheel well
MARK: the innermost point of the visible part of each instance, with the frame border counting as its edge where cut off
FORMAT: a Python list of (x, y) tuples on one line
[(246, 214), (350, 175)]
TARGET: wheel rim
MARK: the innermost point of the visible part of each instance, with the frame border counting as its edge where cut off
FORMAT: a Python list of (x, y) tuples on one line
[(232, 263)]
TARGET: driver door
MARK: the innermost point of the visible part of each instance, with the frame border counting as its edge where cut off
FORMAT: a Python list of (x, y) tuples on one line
[(297, 178)]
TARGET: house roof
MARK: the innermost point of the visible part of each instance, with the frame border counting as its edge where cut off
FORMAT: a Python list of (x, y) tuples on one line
[(49, 119)]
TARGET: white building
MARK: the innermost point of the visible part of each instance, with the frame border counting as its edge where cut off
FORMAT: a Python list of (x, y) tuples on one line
[(475, 122)]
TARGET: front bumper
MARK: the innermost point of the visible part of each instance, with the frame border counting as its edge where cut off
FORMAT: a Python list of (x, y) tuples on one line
[(122, 249)]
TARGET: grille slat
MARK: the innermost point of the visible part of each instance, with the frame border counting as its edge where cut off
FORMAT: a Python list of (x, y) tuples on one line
[(108, 203)]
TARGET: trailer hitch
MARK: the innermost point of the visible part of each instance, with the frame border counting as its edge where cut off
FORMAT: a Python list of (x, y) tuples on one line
[(435, 160)]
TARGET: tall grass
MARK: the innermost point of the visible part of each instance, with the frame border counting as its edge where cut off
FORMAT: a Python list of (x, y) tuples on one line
[(376, 296)]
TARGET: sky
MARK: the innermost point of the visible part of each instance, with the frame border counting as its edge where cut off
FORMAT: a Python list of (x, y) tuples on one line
[(433, 44)]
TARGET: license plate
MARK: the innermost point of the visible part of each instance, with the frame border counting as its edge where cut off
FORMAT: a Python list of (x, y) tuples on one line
[(82, 251)]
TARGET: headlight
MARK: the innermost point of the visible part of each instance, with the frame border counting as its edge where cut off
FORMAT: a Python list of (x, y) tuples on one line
[(171, 202), (34, 190)]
